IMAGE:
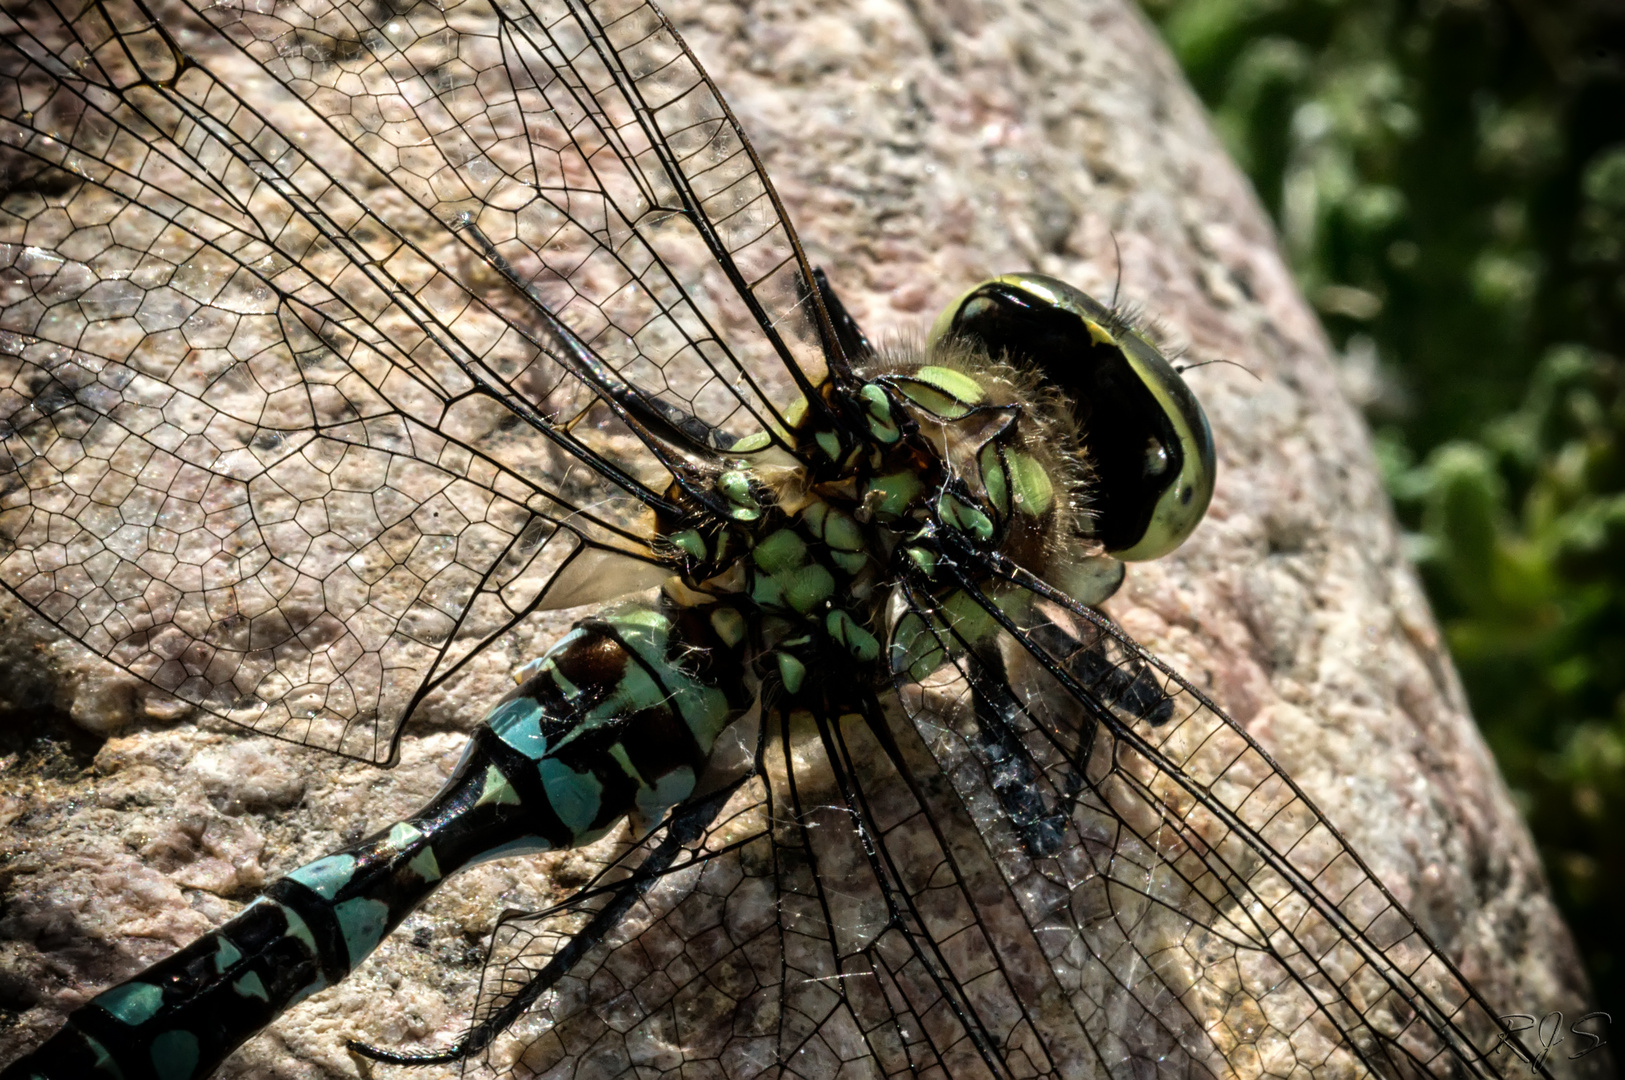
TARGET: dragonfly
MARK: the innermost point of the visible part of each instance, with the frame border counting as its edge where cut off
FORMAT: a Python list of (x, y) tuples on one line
[(340, 341)]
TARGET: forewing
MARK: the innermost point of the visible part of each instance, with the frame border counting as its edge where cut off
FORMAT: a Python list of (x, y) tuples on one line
[(240, 459), (1202, 915), (586, 143)]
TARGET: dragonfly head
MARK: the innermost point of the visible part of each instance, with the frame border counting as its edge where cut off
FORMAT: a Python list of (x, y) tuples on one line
[(1148, 445)]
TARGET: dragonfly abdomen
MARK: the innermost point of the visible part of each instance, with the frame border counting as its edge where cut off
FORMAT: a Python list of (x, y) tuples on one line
[(181, 1017), (619, 718), (610, 723)]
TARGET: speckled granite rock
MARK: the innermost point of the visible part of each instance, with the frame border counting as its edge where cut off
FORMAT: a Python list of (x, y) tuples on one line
[(920, 146)]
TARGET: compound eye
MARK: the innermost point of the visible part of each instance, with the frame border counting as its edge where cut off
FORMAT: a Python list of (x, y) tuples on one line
[(1171, 495)]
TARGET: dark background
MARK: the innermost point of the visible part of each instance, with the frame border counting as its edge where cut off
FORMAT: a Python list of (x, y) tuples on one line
[(1448, 179)]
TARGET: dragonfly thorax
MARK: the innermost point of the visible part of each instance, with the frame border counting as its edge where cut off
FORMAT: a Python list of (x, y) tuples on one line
[(931, 453)]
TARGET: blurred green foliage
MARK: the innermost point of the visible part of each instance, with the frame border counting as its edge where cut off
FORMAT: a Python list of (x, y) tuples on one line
[(1448, 178)]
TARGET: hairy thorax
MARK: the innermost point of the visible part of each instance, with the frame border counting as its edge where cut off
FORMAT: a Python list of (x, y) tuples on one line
[(953, 445)]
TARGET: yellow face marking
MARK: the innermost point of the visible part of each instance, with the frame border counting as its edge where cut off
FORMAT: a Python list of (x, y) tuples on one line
[(1170, 502), (1099, 333), (1185, 497)]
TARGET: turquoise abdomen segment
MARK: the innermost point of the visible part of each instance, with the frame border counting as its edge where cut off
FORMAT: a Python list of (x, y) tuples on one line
[(619, 718), (181, 1017)]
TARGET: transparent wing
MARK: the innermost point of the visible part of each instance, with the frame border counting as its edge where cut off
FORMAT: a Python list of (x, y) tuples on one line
[(258, 449), (1201, 915), (829, 924), (716, 965), (671, 949), (585, 141), (890, 917)]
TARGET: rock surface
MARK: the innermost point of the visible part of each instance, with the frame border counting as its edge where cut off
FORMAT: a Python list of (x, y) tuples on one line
[(920, 145)]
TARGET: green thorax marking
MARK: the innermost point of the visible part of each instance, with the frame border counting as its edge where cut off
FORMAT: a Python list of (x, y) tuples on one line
[(796, 576)]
